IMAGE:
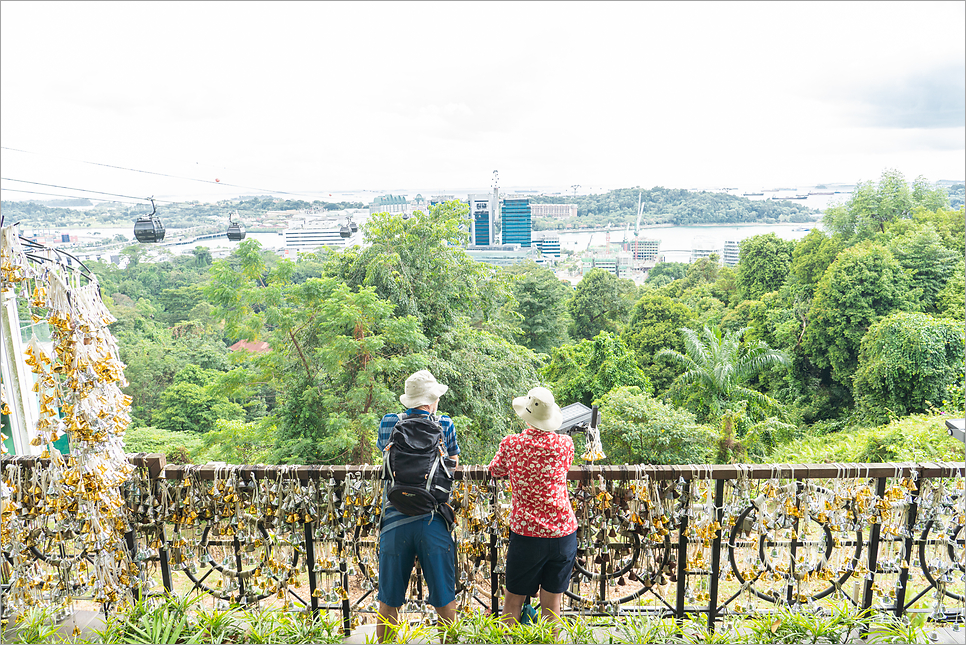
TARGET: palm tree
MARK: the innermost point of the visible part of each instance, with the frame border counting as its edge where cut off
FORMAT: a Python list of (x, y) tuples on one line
[(717, 365)]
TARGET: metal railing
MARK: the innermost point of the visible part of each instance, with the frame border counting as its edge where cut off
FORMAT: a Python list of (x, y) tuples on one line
[(659, 540)]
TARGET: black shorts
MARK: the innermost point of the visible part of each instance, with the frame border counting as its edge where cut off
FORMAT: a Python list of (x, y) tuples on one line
[(535, 562)]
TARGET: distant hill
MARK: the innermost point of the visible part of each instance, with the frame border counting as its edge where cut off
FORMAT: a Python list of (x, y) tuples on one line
[(674, 206)]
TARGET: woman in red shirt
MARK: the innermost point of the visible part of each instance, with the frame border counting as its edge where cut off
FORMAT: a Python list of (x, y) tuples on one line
[(543, 528)]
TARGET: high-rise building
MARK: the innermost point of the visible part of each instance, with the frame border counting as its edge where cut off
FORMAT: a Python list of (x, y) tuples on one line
[(483, 219), (517, 221)]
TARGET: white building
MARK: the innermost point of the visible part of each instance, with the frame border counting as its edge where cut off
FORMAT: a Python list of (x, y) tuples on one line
[(558, 211), (702, 247), (730, 252)]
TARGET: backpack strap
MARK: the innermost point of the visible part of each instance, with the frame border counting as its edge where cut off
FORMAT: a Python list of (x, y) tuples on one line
[(432, 473), (386, 470)]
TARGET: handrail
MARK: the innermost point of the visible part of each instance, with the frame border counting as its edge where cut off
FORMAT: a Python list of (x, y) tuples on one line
[(160, 469)]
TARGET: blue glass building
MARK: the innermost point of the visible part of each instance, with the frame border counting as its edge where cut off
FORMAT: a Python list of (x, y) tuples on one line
[(517, 222)]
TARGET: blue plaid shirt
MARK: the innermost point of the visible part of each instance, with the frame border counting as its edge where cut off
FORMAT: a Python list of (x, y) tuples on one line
[(390, 516)]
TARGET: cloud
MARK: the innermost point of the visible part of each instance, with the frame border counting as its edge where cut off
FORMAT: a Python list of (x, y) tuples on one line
[(924, 99)]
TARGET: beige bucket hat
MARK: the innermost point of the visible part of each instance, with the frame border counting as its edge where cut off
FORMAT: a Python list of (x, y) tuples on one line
[(539, 409), (422, 388)]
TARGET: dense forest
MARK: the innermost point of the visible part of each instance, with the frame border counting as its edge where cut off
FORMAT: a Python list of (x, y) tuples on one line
[(844, 346)]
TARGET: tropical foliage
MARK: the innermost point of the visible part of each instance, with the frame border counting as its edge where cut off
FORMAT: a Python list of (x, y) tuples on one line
[(830, 336)]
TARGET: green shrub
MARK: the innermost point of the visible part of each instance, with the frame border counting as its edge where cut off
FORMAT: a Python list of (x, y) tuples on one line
[(917, 437), (174, 445)]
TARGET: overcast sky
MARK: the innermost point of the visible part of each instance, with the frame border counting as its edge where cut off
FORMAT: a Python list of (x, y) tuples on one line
[(313, 98)]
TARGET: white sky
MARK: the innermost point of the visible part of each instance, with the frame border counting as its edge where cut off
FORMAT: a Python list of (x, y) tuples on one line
[(336, 97)]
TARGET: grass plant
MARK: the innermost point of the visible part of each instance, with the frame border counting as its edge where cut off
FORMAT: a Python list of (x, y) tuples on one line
[(173, 619), (33, 626), (642, 629)]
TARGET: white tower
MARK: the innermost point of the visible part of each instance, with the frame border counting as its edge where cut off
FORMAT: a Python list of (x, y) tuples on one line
[(496, 235)]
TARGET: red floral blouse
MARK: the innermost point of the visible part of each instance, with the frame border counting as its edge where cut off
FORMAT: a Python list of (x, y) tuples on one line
[(536, 463)]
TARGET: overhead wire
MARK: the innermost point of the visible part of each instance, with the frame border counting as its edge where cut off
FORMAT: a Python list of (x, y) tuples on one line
[(85, 190), (160, 174), (35, 192)]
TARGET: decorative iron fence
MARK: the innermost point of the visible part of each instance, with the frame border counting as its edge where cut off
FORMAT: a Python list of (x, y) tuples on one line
[(660, 540)]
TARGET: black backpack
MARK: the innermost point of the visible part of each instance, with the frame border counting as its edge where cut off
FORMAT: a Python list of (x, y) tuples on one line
[(416, 466)]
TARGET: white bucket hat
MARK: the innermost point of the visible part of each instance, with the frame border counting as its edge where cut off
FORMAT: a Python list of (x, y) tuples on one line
[(422, 388), (539, 409)]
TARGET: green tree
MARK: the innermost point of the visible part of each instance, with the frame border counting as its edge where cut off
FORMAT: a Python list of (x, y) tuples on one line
[(762, 266), (951, 300), (177, 304), (636, 428), (812, 256), (154, 354), (949, 224), (542, 302), (420, 265), (717, 366), (335, 352), (186, 407), (334, 382), (906, 362), (202, 256), (655, 321), (862, 285), (872, 206), (601, 302), (590, 369), (927, 263), (666, 272), (484, 373)]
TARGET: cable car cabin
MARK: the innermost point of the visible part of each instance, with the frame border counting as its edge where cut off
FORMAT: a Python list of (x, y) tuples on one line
[(148, 229), (345, 231), (353, 226), (236, 232)]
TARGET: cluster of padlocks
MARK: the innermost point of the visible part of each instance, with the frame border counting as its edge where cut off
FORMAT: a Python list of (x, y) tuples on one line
[(69, 511)]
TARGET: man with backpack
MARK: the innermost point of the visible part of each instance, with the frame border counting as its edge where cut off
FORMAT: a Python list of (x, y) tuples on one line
[(416, 520)]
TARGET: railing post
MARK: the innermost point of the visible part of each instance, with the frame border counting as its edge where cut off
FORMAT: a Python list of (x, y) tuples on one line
[(236, 545), (132, 550), (494, 578), (682, 572), (719, 486), (343, 567), (908, 545), (310, 564), (880, 485), (790, 590)]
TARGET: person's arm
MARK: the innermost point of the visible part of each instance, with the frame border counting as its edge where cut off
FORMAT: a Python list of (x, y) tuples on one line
[(497, 468), (385, 429), (449, 434)]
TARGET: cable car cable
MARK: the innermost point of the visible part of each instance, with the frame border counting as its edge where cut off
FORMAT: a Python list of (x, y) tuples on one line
[(34, 192), (84, 190), (160, 174)]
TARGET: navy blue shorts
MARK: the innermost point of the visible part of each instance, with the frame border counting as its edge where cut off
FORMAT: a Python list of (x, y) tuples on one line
[(534, 562), (398, 548)]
